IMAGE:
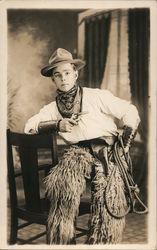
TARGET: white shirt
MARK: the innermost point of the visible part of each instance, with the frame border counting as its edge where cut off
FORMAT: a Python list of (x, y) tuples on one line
[(102, 106)]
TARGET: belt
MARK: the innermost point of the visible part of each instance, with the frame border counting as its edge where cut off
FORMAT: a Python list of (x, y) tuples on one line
[(110, 140), (102, 141)]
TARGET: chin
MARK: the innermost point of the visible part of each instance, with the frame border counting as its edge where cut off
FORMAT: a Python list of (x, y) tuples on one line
[(66, 88)]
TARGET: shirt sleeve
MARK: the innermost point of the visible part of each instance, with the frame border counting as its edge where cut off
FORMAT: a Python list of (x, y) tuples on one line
[(119, 108), (47, 113)]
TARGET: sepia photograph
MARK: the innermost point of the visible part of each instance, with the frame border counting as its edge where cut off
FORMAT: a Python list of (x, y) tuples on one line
[(78, 141)]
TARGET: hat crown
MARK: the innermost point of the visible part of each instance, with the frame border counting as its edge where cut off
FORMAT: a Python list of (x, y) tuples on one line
[(60, 55)]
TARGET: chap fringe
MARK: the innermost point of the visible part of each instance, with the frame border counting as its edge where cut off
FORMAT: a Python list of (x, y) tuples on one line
[(64, 186)]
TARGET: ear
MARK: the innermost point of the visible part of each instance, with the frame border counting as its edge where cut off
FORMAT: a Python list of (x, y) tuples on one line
[(52, 78), (76, 74)]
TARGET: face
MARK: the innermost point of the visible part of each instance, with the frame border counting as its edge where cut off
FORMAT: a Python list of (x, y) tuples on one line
[(64, 76)]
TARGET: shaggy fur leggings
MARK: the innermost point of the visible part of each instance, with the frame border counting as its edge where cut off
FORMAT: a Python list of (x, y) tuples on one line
[(66, 183)]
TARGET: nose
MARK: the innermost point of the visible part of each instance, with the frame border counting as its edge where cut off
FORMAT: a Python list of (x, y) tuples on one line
[(63, 77)]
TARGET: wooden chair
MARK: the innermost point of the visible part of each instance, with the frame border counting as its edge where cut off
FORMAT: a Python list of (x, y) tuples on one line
[(33, 208)]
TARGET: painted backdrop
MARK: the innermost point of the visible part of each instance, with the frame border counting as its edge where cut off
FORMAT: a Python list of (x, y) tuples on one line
[(32, 36)]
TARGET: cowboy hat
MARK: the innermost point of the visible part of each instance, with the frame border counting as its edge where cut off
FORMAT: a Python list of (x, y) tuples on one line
[(61, 56)]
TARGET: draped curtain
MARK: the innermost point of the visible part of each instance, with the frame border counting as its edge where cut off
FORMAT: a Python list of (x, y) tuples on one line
[(116, 75), (139, 35), (96, 44)]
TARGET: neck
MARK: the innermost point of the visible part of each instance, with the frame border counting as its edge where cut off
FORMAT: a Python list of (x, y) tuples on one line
[(66, 92)]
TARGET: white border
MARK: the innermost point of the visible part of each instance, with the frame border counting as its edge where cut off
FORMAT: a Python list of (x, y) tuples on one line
[(45, 4), (3, 118)]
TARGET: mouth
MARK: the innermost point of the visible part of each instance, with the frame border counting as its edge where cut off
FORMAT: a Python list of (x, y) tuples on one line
[(64, 84)]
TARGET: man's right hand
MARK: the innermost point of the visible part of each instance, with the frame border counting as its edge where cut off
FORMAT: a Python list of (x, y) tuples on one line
[(66, 124)]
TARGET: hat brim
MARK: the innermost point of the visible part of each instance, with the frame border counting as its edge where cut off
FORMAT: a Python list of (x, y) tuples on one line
[(47, 71)]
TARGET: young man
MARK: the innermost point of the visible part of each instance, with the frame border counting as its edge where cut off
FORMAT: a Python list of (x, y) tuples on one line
[(84, 117)]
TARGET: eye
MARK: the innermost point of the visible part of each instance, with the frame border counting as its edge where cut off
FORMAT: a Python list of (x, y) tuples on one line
[(57, 75), (67, 73)]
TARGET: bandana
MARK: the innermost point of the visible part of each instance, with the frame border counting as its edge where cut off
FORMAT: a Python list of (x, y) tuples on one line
[(65, 101)]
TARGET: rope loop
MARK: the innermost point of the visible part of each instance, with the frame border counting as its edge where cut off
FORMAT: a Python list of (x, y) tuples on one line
[(126, 174)]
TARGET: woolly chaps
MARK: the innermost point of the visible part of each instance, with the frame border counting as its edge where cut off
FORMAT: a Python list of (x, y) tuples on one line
[(67, 182)]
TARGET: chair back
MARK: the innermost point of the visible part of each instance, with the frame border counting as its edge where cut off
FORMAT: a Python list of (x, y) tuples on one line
[(28, 147)]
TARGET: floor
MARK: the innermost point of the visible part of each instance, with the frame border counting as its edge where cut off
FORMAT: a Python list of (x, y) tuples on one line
[(135, 230)]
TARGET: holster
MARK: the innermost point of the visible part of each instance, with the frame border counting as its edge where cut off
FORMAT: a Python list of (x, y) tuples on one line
[(100, 149)]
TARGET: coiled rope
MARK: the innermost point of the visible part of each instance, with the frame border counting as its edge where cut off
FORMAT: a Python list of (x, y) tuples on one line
[(131, 187)]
